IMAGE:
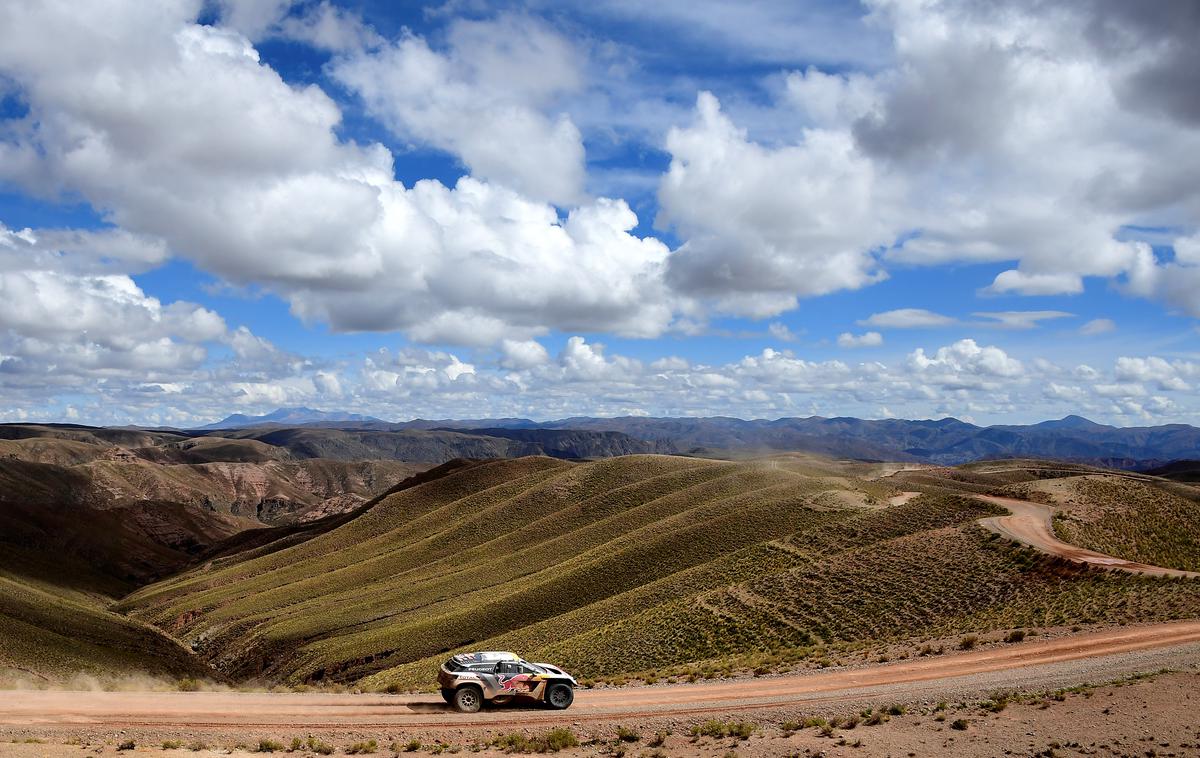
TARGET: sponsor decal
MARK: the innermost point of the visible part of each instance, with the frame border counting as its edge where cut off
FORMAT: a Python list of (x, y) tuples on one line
[(518, 683)]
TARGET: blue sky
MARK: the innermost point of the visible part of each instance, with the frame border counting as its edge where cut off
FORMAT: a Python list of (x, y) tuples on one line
[(894, 208)]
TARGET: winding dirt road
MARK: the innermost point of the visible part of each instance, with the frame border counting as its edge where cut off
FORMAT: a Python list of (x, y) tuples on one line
[(1044, 662), (1031, 524)]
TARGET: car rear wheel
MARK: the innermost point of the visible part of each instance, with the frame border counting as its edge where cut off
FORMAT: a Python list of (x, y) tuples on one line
[(468, 699), (560, 696)]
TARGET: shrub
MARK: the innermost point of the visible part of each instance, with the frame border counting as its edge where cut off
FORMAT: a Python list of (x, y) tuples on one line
[(187, 685), (126, 745), (319, 747), (559, 739), (297, 743), (718, 729), (895, 710), (1015, 635), (196, 746), (550, 742), (998, 701), (269, 746), (968, 642), (959, 724), (363, 748), (172, 744), (412, 745), (625, 734), (658, 739)]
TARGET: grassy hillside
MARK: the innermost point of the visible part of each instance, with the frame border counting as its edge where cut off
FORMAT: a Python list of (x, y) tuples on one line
[(1134, 520), (54, 632), (481, 552), (63, 561), (629, 564)]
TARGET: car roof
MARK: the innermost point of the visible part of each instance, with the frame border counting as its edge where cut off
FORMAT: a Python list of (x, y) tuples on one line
[(487, 656)]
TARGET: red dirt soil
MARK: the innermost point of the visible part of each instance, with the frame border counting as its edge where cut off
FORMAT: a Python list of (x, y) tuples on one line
[(223, 710)]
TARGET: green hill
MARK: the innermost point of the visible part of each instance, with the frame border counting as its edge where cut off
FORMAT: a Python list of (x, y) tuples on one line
[(1134, 520), (628, 564), (63, 562), (53, 633)]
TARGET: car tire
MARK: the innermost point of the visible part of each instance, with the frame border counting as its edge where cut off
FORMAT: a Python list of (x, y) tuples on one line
[(448, 695), (559, 696), (468, 699)]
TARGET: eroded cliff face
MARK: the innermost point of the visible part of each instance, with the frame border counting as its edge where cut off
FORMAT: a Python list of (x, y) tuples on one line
[(274, 492)]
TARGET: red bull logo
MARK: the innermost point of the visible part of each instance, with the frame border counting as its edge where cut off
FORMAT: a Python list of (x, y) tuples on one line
[(517, 683)]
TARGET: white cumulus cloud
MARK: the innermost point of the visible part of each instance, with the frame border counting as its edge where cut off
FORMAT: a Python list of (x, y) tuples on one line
[(866, 339)]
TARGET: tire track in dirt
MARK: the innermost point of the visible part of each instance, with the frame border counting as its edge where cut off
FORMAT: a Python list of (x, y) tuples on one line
[(1110, 650)]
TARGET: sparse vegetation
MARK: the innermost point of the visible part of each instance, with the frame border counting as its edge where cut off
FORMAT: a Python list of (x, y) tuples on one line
[(637, 569), (548, 742), (1137, 521), (998, 701), (719, 729)]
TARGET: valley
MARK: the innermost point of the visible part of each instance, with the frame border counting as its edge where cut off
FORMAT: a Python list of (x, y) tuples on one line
[(252, 566)]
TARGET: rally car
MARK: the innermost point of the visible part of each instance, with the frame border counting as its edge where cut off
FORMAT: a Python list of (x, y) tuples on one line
[(468, 680)]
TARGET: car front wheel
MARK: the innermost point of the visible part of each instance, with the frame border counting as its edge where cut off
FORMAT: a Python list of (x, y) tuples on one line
[(468, 699), (560, 696)]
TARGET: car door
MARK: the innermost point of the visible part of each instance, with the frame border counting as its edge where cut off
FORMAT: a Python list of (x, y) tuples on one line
[(513, 679)]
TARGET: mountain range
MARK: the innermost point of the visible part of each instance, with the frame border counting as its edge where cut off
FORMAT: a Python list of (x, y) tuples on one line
[(947, 441), (290, 416)]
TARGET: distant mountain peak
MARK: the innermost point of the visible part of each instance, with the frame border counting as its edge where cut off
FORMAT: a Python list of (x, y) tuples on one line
[(1070, 422), (297, 416)]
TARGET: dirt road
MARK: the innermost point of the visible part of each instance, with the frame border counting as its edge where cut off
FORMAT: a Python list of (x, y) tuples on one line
[(1044, 662), (1030, 524)]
